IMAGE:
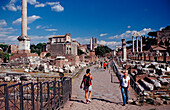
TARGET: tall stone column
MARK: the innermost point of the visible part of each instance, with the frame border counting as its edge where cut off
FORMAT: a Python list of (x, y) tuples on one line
[(141, 44), (133, 46), (124, 56), (24, 40), (136, 43), (24, 17), (91, 46), (93, 42)]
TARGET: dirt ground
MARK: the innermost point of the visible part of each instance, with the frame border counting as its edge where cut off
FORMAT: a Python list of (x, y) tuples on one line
[(105, 95)]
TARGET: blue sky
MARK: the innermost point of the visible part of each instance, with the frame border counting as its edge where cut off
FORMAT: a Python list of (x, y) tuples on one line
[(107, 20)]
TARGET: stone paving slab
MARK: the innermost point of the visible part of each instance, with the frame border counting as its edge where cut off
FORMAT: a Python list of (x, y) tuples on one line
[(105, 95)]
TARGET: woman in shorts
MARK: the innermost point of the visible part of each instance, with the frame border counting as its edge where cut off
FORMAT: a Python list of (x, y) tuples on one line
[(87, 80)]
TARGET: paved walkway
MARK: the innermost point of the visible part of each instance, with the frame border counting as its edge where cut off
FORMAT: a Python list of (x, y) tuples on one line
[(105, 95)]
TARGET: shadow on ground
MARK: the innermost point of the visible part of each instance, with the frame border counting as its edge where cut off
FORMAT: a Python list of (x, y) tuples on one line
[(117, 82), (76, 100), (117, 103), (108, 101)]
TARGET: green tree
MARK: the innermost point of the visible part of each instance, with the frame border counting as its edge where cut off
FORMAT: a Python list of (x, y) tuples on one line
[(4, 47), (102, 50), (4, 56), (37, 48), (80, 52), (48, 54)]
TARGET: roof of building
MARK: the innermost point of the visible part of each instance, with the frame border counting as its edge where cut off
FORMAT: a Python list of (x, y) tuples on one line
[(56, 36), (155, 47)]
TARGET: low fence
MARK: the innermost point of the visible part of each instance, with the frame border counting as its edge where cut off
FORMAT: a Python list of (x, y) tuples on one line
[(50, 95), (132, 83)]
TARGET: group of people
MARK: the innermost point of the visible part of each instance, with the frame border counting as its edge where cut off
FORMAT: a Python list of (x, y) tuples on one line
[(87, 81), (105, 65)]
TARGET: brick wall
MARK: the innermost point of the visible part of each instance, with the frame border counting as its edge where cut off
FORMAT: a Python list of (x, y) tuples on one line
[(60, 63), (73, 59), (17, 55), (57, 49), (14, 48), (1, 60)]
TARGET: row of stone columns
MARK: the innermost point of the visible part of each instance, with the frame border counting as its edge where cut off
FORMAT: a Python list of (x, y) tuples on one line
[(124, 56), (133, 46)]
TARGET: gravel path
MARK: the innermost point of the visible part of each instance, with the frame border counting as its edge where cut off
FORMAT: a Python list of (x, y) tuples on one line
[(105, 95)]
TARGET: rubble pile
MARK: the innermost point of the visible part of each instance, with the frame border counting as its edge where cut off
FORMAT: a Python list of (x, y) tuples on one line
[(152, 77), (15, 77), (36, 64)]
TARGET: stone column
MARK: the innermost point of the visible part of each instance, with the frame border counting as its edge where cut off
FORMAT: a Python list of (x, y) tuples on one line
[(124, 57), (141, 44), (93, 43), (136, 43), (24, 17), (91, 47), (133, 49), (24, 40)]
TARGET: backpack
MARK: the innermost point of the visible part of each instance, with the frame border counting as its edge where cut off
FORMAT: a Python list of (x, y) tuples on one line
[(87, 80)]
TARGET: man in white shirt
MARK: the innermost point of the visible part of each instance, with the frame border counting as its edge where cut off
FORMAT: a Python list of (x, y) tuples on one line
[(124, 86)]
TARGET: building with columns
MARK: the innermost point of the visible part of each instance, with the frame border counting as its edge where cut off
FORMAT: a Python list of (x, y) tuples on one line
[(61, 45)]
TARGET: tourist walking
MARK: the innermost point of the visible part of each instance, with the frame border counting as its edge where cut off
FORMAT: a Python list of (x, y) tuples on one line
[(87, 80), (101, 63), (124, 86), (108, 65), (104, 65)]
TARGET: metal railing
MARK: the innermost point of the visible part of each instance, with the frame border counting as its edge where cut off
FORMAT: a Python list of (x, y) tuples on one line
[(50, 95), (137, 89), (2, 96), (133, 84)]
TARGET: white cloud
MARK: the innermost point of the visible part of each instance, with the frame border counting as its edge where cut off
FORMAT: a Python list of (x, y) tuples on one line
[(19, 7), (57, 7), (6, 34), (111, 44), (12, 38), (161, 28), (86, 40), (32, 2), (52, 3), (51, 29), (37, 27), (30, 19), (3, 8), (44, 27), (37, 39), (10, 29), (11, 6), (28, 28), (145, 31), (103, 34), (40, 5), (128, 34), (3, 23), (82, 40), (128, 26)]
